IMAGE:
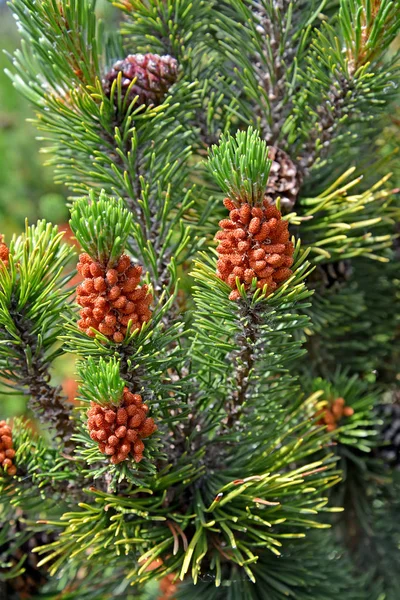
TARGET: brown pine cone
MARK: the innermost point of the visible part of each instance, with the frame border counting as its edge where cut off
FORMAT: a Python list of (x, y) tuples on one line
[(7, 451), (111, 298), (154, 76), (284, 180), (254, 242), (120, 430), (4, 252)]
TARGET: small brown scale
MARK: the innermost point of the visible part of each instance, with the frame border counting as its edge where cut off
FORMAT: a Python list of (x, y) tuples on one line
[(254, 243), (120, 430), (110, 298), (7, 451)]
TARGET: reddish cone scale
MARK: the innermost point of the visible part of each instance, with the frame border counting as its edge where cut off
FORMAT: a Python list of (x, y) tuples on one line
[(120, 430), (254, 243), (4, 252), (334, 413), (7, 451), (110, 298), (154, 76)]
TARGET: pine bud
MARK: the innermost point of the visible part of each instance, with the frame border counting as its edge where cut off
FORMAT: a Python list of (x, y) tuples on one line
[(110, 298), (7, 452), (119, 430), (254, 243), (154, 76)]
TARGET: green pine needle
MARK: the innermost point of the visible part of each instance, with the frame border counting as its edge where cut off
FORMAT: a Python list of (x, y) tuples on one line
[(101, 226), (241, 166)]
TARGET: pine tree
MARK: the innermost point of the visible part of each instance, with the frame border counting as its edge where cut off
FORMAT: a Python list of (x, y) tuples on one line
[(235, 327)]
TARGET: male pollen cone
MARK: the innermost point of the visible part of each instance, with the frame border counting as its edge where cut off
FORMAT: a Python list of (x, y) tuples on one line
[(119, 430), (4, 252), (253, 243), (7, 451), (334, 413), (110, 297)]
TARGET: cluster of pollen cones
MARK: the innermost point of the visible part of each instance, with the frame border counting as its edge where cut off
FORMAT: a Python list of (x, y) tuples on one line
[(7, 451), (120, 430), (110, 298), (4, 252), (253, 243), (334, 413)]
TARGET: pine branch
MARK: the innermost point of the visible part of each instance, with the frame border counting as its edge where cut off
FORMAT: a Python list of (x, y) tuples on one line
[(110, 140), (45, 400), (271, 65), (32, 294), (347, 79)]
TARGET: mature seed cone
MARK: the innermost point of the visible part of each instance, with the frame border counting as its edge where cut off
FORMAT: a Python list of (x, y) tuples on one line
[(120, 430), (111, 298), (4, 252), (389, 450), (284, 179), (254, 243), (154, 76), (7, 451), (331, 415), (28, 584)]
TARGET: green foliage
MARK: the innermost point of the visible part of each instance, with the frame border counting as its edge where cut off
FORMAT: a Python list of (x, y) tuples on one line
[(101, 227), (241, 167), (357, 431), (240, 471), (311, 568), (167, 27), (335, 222), (341, 89), (40, 466), (368, 28), (32, 294), (101, 381)]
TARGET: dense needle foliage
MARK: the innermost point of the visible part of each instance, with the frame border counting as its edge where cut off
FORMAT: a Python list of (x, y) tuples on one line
[(234, 318)]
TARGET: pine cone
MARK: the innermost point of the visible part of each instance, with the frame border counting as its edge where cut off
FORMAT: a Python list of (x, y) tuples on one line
[(331, 415), (154, 76), (284, 180), (110, 298), (120, 430), (254, 243), (27, 584), (4, 252), (7, 451)]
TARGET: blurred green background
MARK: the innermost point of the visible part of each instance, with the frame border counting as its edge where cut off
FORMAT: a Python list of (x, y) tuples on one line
[(26, 185)]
